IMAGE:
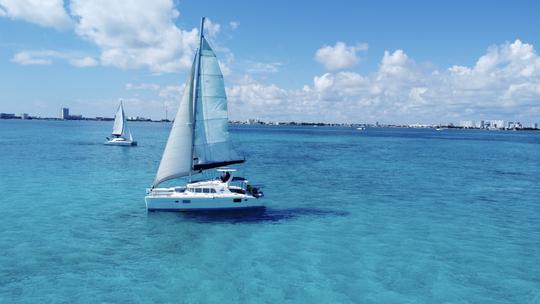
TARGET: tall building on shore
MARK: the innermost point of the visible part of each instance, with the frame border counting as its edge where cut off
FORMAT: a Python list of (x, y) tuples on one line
[(64, 114), (483, 124), (494, 124)]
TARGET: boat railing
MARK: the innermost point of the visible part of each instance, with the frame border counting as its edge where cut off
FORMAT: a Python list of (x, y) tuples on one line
[(167, 191), (159, 192)]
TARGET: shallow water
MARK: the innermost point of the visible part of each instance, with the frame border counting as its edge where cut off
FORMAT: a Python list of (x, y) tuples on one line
[(375, 216)]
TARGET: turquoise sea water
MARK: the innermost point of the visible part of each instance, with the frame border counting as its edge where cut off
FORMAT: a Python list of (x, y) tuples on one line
[(378, 216)]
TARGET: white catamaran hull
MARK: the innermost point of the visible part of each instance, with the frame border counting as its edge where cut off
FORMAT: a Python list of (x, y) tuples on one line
[(120, 143), (190, 203)]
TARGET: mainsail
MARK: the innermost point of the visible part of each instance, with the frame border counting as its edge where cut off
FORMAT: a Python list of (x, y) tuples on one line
[(212, 147), (199, 137), (119, 121)]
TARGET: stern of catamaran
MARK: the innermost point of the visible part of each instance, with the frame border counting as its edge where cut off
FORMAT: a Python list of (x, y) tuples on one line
[(238, 183), (256, 192)]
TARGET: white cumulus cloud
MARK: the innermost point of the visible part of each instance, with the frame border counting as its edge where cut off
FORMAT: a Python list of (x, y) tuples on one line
[(503, 84), (400, 90), (339, 56), (263, 67), (211, 28), (46, 57), (234, 24), (129, 34), (83, 62), (32, 58), (133, 34), (47, 13)]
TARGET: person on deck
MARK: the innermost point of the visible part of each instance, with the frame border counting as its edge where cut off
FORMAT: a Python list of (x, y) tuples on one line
[(225, 177)]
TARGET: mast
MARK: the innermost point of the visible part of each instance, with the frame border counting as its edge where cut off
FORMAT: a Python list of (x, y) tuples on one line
[(194, 100)]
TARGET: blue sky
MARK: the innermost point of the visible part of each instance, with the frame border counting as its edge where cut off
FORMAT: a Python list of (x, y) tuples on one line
[(397, 61)]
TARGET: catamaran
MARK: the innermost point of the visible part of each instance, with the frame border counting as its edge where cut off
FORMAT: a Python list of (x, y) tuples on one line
[(199, 141), (121, 135)]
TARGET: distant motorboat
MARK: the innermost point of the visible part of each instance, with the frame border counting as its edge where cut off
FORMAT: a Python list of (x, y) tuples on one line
[(199, 141), (121, 135), (361, 128)]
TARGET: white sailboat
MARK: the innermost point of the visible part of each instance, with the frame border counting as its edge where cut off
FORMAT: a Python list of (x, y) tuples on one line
[(121, 135), (199, 141)]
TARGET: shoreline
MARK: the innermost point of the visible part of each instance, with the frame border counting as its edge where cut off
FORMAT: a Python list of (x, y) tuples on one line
[(290, 124)]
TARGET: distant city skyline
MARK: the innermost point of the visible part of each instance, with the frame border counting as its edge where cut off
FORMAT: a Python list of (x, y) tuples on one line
[(474, 124), (393, 62)]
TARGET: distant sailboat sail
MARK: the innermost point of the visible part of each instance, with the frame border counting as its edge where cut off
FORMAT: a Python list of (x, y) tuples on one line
[(199, 138), (119, 121), (127, 132), (130, 137)]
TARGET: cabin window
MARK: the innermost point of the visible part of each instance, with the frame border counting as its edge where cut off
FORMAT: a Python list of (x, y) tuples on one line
[(198, 190), (206, 190), (212, 190), (237, 200)]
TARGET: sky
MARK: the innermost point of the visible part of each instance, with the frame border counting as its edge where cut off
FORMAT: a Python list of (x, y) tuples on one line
[(317, 61)]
